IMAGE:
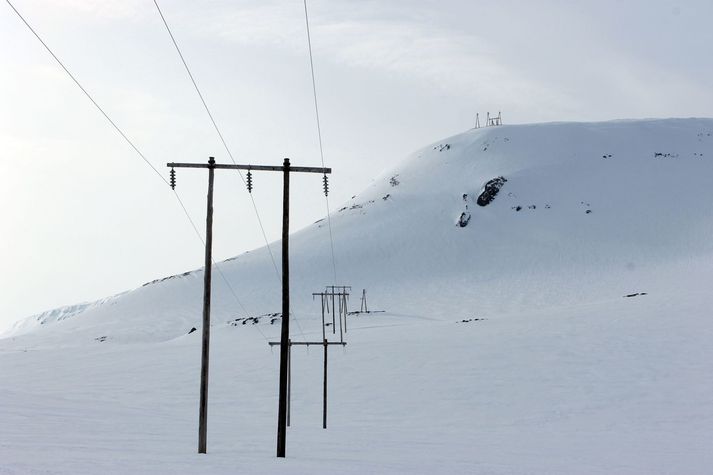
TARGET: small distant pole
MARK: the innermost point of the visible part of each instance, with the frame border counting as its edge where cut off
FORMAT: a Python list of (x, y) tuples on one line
[(324, 388), (341, 333), (477, 120), (345, 298), (363, 308), (334, 311)]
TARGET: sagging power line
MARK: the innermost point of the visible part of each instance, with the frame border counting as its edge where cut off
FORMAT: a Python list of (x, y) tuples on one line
[(248, 182), (128, 141)]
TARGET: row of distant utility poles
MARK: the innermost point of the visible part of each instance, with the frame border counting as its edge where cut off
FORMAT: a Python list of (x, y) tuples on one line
[(285, 343)]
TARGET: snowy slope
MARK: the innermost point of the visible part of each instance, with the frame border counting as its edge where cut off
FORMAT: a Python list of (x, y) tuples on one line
[(507, 346), (601, 205)]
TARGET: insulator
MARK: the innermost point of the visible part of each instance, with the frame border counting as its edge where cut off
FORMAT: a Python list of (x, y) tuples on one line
[(173, 179), (250, 182), (325, 182)]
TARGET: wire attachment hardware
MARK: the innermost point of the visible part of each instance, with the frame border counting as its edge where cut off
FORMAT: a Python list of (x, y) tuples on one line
[(325, 184), (250, 181), (173, 179)]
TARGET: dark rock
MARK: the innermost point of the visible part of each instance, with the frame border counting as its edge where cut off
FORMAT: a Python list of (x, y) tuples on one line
[(464, 219), (490, 190)]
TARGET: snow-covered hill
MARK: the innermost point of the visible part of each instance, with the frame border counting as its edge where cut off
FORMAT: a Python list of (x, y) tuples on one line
[(546, 310), (586, 211)]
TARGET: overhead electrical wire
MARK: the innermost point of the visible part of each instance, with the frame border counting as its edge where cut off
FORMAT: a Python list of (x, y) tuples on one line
[(132, 145), (217, 129), (319, 137), (227, 149)]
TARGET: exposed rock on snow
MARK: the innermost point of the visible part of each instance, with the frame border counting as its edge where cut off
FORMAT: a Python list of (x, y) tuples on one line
[(490, 190)]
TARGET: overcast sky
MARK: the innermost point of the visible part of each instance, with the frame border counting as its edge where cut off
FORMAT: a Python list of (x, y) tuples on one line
[(83, 217)]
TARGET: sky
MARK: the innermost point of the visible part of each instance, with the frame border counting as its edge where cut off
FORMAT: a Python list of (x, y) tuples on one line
[(82, 216)]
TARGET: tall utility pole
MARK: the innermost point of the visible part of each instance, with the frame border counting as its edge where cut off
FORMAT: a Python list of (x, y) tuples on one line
[(205, 347), (285, 333), (207, 271), (286, 169)]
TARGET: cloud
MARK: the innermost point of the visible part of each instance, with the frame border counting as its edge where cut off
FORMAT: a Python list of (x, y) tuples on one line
[(407, 46)]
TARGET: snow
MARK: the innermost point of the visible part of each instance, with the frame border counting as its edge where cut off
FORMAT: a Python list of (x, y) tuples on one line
[(553, 371)]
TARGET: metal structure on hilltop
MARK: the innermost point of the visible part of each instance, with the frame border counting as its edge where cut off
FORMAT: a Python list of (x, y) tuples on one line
[(489, 121)]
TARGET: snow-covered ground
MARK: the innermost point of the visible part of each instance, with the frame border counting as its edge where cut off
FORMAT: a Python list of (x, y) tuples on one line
[(553, 371)]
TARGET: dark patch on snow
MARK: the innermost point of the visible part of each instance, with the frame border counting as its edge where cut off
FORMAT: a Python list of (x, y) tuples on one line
[(531, 207), (386, 196), (665, 155), (191, 330), (255, 320), (468, 320), (393, 181), (588, 211), (490, 190), (442, 147), (359, 312), (101, 338), (464, 219), (635, 295), (607, 155)]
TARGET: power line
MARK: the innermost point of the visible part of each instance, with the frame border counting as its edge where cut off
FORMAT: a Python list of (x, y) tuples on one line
[(227, 149), (319, 136), (113, 124), (217, 129), (133, 146), (217, 267)]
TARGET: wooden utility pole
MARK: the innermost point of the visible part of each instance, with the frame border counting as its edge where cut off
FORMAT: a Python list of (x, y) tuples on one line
[(342, 294), (205, 348), (285, 334), (285, 344), (324, 387), (207, 271)]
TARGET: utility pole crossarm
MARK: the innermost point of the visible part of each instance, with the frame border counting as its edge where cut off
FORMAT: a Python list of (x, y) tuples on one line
[(308, 343), (266, 168)]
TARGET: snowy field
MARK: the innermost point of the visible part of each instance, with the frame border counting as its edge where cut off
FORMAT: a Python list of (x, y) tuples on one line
[(556, 371)]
